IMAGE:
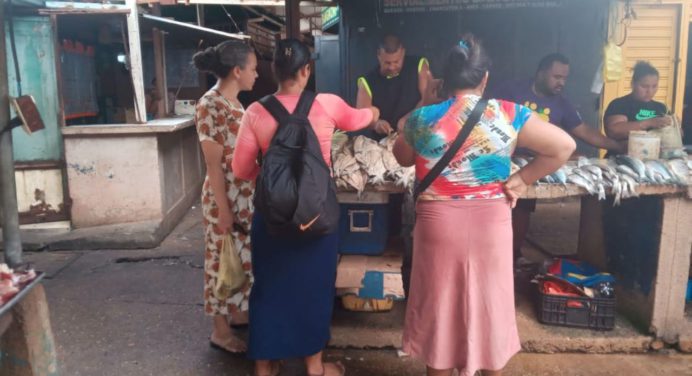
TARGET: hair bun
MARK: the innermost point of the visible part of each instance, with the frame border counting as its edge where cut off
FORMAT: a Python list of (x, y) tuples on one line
[(461, 53), (206, 60)]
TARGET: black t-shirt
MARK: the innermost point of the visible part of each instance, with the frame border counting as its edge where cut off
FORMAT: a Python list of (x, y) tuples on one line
[(635, 110), (394, 96)]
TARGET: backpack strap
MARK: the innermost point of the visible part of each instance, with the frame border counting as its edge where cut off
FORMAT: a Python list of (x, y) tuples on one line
[(305, 103), (275, 108), (279, 112)]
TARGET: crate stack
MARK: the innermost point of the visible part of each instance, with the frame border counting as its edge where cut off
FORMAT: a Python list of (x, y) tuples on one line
[(369, 272)]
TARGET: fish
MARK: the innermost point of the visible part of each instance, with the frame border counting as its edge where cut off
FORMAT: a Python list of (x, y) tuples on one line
[(681, 170), (617, 192), (601, 192), (629, 186), (559, 176), (583, 161), (547, 179), (625, 170), (594, 170), (582, 182), (584, 174), (658, 168), (519, 161), (635, 164)]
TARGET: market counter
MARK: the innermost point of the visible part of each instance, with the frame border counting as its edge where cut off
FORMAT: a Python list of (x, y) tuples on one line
[(122, 173), (646, 242)]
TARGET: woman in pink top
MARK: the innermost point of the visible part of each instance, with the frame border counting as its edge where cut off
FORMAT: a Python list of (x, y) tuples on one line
[(293, 293)]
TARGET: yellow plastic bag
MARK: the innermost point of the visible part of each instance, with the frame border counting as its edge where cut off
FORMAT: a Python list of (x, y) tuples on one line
[(612, 62), (231, 274)]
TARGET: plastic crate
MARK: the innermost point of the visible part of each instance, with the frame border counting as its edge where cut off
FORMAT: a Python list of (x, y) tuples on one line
[(577, 312), (363, 225)]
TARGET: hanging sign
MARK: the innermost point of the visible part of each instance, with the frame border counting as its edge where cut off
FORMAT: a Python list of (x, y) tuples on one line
[(420, 6), (330, 17)]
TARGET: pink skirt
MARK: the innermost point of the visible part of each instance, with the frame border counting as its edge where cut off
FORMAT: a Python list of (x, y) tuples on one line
[(460, 311)]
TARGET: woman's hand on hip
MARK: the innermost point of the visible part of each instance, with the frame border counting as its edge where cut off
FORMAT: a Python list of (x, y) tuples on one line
[(515, 187)]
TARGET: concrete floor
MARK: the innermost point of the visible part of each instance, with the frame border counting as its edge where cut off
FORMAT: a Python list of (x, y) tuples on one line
[(139, 312)]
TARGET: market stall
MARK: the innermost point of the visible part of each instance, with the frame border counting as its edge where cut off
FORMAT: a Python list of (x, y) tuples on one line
[(634, 223), (630, 225)]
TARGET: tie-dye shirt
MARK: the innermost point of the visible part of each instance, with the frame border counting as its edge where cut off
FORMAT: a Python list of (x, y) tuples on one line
[(482, 163)]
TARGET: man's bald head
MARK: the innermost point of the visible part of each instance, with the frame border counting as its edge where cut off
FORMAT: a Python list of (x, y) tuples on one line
[(390, 44), (390, 55)]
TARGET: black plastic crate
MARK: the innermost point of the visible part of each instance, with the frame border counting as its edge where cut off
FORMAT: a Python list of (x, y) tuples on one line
[(577, 312)]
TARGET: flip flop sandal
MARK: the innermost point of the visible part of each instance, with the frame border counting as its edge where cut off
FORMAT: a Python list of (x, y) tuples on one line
[(276, 371), (225, 348), (338, 365)]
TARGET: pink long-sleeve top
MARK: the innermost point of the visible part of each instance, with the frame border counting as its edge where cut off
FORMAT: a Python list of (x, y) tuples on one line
[(257, 128)]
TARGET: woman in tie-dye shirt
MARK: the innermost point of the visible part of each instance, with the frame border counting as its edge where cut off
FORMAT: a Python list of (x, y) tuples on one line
[(460, 310), (483, 162)]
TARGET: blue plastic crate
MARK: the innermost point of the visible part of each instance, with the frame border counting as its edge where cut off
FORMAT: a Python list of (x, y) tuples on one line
[(363, 225)]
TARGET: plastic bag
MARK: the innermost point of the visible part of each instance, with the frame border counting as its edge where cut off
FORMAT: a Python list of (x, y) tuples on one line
[(231, 274), (613, 62)]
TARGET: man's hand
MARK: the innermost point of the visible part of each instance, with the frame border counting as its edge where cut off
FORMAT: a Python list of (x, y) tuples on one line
[(657, 122), (383, 127), (431, 95)]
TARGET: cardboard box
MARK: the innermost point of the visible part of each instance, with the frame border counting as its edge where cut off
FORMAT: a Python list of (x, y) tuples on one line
[(370, 277)]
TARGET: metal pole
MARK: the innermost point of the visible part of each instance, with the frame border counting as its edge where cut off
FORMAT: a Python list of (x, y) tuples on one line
[(11, 240), (293, 19)]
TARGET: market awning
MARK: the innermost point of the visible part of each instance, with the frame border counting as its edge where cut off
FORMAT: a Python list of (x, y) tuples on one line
[(188, 30)]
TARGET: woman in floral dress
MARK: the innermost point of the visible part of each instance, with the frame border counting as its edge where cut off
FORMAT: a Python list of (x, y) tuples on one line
[(225, 200)]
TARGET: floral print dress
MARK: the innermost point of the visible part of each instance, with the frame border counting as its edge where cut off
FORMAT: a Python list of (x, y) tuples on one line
[(218, 120)]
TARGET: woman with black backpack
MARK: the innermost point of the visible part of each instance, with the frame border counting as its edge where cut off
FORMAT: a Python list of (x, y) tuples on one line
[(295, 270)]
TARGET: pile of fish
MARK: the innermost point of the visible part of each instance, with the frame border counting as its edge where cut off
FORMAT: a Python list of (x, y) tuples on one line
[(360, 161), (621, 175)]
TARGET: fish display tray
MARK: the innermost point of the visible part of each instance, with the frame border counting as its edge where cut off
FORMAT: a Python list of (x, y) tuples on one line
[(576, 312)]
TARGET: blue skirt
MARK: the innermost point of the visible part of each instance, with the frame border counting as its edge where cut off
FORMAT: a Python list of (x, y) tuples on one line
[(292, 297)]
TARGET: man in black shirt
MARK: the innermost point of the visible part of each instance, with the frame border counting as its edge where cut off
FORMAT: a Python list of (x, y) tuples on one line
[(396, 86)]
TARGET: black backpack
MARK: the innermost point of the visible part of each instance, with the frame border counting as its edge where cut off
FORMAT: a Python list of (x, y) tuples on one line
[(295, 191)]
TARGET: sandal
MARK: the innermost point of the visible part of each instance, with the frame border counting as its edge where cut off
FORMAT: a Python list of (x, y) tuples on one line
[(228, 346), (338, 365), (276, 369)]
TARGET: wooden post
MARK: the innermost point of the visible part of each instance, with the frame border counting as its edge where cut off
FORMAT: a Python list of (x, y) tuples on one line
[(27, 347), (672, 272), (293, 19), (135, 49), (160, 70)]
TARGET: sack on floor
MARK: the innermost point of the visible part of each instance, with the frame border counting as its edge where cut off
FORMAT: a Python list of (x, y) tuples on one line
[(231, 276)]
